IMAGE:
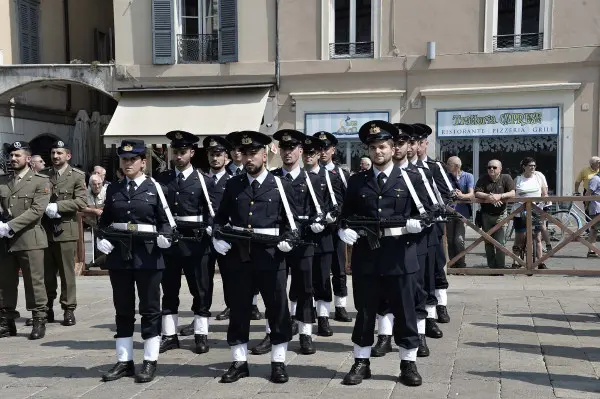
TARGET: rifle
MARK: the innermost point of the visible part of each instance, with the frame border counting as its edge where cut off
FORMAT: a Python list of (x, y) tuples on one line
[(125, 238), (371, 228), (444, 213), (198, 230)]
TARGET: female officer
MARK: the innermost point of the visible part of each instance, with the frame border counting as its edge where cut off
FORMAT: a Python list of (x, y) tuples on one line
[(134, 206)]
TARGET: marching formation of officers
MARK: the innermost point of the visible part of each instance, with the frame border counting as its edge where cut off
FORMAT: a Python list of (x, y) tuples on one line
[(401, 285)]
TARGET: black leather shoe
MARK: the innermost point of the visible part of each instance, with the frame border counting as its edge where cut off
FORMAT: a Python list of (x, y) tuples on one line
[(39, 328), (224, 315), (361, 370), (256, 315), (423, 350), (8, 328), (383, 346), (263, 347), (409, 375), (341, 315), (187, 330), (432, 330), (236, 371), (442, 313), (69, 318), (278, 373), (49, 318), (201, 343), (306, 345), (324, 329), (119, 370), (146, 373), (168, 342), (294, 326)]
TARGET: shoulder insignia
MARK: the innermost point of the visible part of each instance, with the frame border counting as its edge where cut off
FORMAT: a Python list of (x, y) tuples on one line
[(39, 174), (81, 172)]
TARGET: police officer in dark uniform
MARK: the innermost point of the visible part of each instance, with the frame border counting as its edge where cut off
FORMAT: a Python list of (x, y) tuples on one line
[(135, 205), (254, 202), (329, 191), (338, 265), (390, 271), (190, 201), (443, 185)]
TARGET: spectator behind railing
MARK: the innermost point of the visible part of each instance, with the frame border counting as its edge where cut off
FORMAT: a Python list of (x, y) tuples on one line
[(494, 187), (96, 196), (37, 163), (455, 228), (594, 209), (584, 176), (365, 164)]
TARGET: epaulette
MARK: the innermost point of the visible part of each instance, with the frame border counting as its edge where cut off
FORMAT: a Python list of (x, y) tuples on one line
[(413, 171), (38, 174), (44, 171), (81, 172)]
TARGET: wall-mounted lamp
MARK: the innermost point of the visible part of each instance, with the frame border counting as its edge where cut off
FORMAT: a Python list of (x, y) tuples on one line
[(430, 51), (293, 105)]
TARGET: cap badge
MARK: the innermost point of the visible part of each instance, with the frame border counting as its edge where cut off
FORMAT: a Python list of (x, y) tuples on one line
[(374, 129), (323, 136), (178, 136), (286, 137), (212, 143), (127, 147), (60, 144), (308, 141), (246, 140), (17, 144)]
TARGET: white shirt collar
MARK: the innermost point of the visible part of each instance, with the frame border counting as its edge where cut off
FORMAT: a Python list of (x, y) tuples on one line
[(233, 167), (414, 161), (387, 171), (295, 172), (138, 180), (316, 169), (219, 175), (261, 178), (330, 166), (404, 164), (186, 173)]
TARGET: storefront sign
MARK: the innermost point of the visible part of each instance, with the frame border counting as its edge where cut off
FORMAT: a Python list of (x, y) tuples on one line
[(341, 125), (498, 122)]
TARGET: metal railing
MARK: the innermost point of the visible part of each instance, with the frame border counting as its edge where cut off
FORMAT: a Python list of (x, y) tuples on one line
[(198, 48), (522, 42), (351, 50)]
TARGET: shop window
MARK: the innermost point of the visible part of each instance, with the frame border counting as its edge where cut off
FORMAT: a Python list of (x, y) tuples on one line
[(519, 25), (458, 148)]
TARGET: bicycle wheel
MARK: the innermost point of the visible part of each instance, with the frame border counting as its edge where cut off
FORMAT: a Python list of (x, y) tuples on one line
[(568, 219)]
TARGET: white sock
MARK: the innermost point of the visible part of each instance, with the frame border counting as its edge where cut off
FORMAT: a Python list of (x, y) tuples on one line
[(124, 349), (267, 328), (431, 313), (293, 306), (442, 297), (385, 324), (408, 354), (151, 348), (239, 352), (200, 325), (255, 299), (340, 301), (278, 352), (169, 324), (305, 328), (314, 303), (362, 352), (323, 308), (421, 326)]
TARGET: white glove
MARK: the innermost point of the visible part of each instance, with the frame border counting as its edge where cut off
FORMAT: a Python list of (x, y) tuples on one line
[(221, 246), (163, 242), (52, 210), (413, 226), (209, 231), (284, 246), (104, 246), (317, 227), (4, 229), (330, 219), (349, 236)]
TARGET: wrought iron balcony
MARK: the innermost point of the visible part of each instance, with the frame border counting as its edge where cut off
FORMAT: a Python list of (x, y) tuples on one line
[(522, 42), (351, 50), (198, 48)]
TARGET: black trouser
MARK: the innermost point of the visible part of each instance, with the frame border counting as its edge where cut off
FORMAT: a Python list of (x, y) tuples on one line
[(441, 282), (301, 288), (338, 267), (213, 257), (199, 277), (243, 278), (124, 283), (399, 292), (321, 277)]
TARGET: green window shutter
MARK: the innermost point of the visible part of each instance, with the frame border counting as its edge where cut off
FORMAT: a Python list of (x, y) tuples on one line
[(228, 31), (162, 32)]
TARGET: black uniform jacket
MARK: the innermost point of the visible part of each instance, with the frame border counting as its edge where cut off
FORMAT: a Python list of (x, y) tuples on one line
[(143, 207)]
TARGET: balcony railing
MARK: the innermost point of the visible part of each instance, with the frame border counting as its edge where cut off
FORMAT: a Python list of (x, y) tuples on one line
[(522, 42), (198, 48), (351, 50)]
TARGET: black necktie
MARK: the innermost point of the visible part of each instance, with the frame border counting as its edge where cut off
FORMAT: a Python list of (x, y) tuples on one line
[(238, 171), (380, 179), (255, 185), (131, 188), (289, 177)]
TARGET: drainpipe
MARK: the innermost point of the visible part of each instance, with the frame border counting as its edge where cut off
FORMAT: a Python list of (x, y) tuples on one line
[(67, 49), (277, 66)]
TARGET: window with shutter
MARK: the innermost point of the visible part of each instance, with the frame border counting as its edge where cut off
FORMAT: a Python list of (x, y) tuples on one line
[(29, 35), (228, 31), (162, 32)]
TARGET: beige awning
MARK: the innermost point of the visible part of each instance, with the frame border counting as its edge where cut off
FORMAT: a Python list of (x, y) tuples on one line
[(149, 116)]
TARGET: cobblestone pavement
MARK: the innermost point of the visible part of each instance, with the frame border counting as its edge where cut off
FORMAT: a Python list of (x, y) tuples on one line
[(509, 337)]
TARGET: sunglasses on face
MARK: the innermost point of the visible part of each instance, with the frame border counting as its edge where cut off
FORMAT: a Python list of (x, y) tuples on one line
[(492, 167)]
